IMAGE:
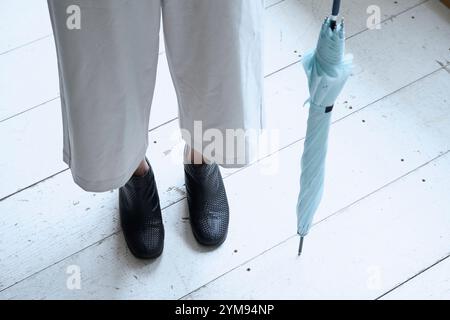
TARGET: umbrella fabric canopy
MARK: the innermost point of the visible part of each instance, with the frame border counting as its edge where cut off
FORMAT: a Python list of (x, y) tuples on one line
[(327, 70)]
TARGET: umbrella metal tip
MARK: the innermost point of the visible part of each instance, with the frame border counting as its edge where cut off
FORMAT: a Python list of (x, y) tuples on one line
[(300, 246)]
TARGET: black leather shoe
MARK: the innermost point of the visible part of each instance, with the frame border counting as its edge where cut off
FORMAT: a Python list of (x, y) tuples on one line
[(140, 215), (208, 205)]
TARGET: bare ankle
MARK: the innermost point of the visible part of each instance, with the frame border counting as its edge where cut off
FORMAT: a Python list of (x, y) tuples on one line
[(142, 169), (193, 157)]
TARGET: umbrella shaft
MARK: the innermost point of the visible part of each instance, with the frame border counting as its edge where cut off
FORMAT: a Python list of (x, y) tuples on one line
[(335, 13), (336, 7)]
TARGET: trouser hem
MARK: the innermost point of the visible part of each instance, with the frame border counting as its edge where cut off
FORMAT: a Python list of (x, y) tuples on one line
[(110, 184)]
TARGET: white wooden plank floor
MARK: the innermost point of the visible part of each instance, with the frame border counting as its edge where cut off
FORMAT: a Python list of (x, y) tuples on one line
[(383, 230)]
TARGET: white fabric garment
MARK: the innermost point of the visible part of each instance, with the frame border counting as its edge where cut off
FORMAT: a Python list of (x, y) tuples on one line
[(108, 68)]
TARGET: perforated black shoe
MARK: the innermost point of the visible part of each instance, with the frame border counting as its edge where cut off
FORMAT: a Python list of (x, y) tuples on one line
[(208, 205), (140, 215)]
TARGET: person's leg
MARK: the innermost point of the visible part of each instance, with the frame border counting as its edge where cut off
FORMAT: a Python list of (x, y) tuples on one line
[(107, 57), (107, 72), (214, 49)]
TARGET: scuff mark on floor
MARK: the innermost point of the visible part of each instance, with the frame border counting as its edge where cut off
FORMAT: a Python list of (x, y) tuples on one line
[(444, 65), (177, 189)]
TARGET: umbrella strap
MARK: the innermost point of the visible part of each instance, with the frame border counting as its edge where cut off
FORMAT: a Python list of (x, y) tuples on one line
[(327, 109)]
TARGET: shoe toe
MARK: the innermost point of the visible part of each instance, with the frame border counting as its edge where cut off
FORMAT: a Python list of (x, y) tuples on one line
[(146, 244), (211, 230)]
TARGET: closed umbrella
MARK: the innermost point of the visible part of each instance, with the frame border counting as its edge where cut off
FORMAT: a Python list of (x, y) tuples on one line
[(327, 70)]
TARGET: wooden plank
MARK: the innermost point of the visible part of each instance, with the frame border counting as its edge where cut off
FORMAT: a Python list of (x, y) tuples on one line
[(363, 160), (22, 22), (22, 74), (29, 77), (286, 90), (32, 148), (432, 284), (359, 253)]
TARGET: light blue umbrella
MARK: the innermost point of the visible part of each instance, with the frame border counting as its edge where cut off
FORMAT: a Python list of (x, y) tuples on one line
[(327, 70)]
